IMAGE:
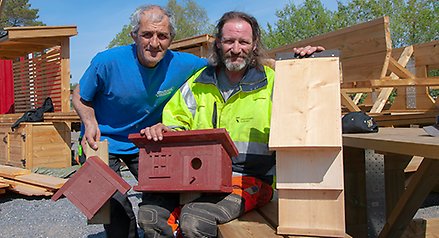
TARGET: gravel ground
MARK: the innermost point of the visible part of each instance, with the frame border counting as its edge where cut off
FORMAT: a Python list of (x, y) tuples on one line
[(22, 216)]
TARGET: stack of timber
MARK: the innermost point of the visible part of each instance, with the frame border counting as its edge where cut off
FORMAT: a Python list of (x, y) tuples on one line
[(24, 182)]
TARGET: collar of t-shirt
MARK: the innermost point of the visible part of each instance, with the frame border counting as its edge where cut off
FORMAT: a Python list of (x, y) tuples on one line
[(226, 88)]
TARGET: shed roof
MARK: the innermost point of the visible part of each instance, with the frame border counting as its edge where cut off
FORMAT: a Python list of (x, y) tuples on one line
[(19, 41)]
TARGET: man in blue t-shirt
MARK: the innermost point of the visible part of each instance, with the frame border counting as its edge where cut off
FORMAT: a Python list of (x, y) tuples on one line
[(125, 89)]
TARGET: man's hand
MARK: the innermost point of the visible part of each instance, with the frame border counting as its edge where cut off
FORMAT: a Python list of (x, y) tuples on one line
[(307, 50), (92, 135), (155, 132)]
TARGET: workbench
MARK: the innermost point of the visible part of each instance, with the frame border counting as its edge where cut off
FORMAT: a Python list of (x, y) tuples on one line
[(388, 152)]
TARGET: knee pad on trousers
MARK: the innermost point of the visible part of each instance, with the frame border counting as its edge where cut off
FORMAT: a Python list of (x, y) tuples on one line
[(195, 226), (154, 221)]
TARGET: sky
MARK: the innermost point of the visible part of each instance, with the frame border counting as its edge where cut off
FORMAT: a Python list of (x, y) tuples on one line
[(98, 22)]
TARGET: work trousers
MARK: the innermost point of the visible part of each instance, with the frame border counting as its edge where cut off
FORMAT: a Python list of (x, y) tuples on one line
[(122, 218), (160, 214)]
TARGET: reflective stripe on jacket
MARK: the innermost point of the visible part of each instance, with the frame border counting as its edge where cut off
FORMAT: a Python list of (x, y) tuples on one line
[(246, 115)]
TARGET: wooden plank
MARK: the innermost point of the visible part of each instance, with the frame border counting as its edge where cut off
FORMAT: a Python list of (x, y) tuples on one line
[(394, 178), (15, 33), (408, 141), (191, 42), (65, 75), (270, 211), (294, 100), (318, 169), (250, 225), (365, 49), (430, 81), (3, 183), (356, 90), (27, 189), (426, 54), (385, 92), (417, 190), (398, 69), (349, 103), (12, 172), (357, 40), (413, 165), (41, 180), (311, 212), (428, 228)]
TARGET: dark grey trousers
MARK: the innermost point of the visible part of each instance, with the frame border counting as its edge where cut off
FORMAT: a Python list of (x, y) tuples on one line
[(197, 219), (122, 218)]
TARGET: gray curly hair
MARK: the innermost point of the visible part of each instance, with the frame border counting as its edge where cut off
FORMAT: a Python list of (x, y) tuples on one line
[(137, 16)]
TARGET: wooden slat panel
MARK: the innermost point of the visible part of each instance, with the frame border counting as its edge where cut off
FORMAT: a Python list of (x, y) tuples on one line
[(28, 189), (42, 180), (358, 40), (250, 225), (427, 54), (36, 79)]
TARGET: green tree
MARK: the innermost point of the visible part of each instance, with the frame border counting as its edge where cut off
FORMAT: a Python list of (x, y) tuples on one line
[(411, 21), (122, 38), (298, 22), (190, 20), (19, 13)]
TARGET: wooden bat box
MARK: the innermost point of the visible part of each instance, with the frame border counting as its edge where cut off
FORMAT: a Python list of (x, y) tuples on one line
[(306, 135)]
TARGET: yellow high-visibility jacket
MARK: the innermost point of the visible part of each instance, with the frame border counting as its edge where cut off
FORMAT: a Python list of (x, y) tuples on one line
[(246, 116)]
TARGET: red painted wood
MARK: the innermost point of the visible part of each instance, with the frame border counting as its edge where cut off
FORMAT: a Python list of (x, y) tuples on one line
[(91, 186), (6, 87), (186, 161)]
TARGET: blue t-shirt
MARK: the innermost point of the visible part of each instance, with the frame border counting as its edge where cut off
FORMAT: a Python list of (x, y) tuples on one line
[(127, 96)]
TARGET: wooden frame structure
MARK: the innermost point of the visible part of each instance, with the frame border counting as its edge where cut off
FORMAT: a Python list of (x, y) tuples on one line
[(21, 41), (197, 45), (369, 62)]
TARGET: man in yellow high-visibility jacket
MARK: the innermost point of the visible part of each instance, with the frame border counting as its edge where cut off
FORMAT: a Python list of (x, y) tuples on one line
[(233, 92)]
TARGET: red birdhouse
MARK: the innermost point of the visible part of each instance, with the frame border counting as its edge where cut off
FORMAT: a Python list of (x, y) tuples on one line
[(91, 186), (186, 161)]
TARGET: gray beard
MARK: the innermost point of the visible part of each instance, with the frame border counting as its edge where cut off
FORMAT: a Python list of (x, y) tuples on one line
[(236, 66)]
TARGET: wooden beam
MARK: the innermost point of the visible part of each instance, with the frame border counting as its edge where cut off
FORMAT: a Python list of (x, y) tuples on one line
[(399, 70), (40, 31), (348, 103), (190, 42), (410, 201), (356, 90), (65, 75), (385, 92), (427, 54), (430, 81)]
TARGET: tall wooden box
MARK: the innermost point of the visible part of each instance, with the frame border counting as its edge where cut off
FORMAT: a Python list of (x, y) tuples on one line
[(186, 161), (37, 144), (306, 134)]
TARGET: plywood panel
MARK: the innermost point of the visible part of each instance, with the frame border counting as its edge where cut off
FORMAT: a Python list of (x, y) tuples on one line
[(311, 212), (306, 105), (311, 169)]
